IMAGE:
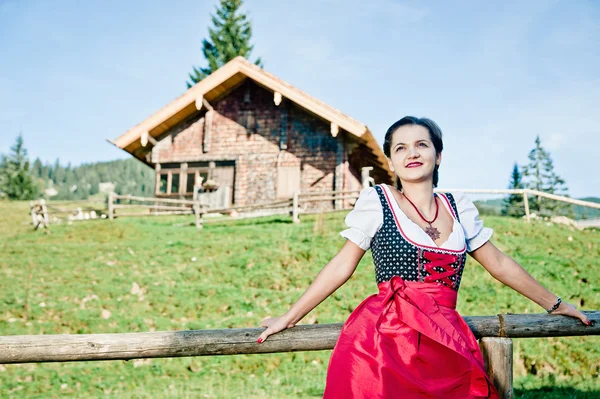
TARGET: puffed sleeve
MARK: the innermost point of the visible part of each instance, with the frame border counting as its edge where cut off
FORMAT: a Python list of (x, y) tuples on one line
[(475, 233), (365, 219)]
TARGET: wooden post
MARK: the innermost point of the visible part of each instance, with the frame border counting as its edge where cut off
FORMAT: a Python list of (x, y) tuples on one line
[(111, 209), (198, 215), (295, 217), (157, 179), (498, 358), (45, 213), (33, 215), (526, 203), (365, 178)]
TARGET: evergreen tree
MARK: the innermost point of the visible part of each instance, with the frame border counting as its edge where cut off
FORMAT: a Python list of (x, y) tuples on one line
[(229, 38), (16, 181), (58, 173), (513, 204), (539, 175), (36, 168)]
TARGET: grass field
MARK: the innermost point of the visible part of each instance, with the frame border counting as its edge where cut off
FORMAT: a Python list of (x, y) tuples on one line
[(151, 274)]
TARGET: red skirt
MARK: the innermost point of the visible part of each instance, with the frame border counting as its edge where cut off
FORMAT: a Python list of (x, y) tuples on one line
[(407, 342)]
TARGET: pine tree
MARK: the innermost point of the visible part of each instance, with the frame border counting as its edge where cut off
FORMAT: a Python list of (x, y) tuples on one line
[(539, 175), (16, 181), (229, 38), (513, 204)]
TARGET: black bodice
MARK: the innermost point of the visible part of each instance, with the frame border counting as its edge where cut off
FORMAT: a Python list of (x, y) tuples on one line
[(394, 254)]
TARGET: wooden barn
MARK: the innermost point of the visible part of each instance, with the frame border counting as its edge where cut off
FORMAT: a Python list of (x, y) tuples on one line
[(245, 129)]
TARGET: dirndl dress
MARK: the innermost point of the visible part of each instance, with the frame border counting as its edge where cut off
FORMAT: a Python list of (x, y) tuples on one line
[(407, 340)]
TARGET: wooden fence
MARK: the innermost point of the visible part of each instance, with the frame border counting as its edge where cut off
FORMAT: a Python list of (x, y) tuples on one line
[(43, 212), (128, 205), (298, 204), (525, 193), (495, 334)]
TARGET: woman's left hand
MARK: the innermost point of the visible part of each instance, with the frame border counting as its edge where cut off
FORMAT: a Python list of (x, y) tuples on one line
[(567, 309)]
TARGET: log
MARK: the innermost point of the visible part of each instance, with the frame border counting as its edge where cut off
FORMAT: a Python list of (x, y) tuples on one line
[(267, 205), (165, 213), (532, 325), (198, 216), (324, 199), (154, 207), (154, 199), (526, 204), (480, 190), (71, 347), (319, 212), (45, 213), (564, 199), (295, 218), (327, 193), (524, 192), (498, 358), (111, 204)]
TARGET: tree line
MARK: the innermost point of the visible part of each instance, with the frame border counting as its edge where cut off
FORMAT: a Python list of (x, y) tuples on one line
[(22, 180)]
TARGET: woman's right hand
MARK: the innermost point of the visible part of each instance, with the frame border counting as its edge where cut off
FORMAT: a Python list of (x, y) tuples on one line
[(274, 325)]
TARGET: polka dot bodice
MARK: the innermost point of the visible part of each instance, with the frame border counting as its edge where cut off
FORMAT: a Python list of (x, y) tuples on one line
[(396, 255)]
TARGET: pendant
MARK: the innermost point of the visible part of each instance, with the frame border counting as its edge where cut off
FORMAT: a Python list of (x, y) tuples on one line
[(432, 232)]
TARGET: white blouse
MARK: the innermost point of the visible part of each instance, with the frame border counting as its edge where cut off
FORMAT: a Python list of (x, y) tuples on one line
[(367, 218)]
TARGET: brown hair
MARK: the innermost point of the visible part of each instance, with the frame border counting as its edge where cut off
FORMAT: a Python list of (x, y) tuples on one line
[(435, 135)]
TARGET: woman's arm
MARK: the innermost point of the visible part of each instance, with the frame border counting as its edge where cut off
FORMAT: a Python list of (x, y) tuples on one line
[(504, 269), (333, 275)]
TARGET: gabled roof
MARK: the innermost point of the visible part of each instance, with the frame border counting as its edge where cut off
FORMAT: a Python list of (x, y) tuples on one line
[(222, 81)]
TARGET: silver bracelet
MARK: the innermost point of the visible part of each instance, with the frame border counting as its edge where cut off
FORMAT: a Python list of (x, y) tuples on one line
[(556, 305)]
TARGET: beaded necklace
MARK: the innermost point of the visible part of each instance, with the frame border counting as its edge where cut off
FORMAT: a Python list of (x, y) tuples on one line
[(431, 231)]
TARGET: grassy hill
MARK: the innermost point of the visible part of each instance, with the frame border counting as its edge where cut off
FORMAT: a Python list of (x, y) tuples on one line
[(79, 278)]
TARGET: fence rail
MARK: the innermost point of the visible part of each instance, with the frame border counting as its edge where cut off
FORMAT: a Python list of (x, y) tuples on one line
[(43, 212), (126, 346), (298, 204), (495, 343)]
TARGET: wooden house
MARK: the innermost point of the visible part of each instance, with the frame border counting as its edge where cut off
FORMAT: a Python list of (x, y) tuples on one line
[(244, 128)]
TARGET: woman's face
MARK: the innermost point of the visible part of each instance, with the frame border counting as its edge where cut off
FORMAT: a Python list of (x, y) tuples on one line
[(412, 154)]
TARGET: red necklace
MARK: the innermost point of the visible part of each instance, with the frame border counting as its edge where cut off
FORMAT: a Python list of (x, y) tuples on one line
[(431, 231)]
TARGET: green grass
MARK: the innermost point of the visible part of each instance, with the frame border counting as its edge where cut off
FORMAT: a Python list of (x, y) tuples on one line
[(61, 282)]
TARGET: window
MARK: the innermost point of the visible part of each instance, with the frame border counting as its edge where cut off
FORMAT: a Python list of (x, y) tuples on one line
[(164, 179), (191, 180), (175, 183)]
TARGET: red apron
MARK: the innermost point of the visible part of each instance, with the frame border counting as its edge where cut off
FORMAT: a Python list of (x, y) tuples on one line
[(407, 342)]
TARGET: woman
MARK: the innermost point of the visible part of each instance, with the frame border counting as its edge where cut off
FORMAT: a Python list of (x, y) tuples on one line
[(408, 341)]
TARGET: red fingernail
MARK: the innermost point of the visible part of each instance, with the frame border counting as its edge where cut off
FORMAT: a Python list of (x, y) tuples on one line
[(260, 340)]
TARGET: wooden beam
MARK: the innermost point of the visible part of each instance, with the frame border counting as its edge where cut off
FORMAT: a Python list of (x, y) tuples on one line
[(498, 357), (335, 129), (81, 347), (145, 138), (208, 122), (564, 199), (526, 204)]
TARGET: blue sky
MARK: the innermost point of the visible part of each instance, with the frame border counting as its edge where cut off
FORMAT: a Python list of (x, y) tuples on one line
[(492, 74)]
